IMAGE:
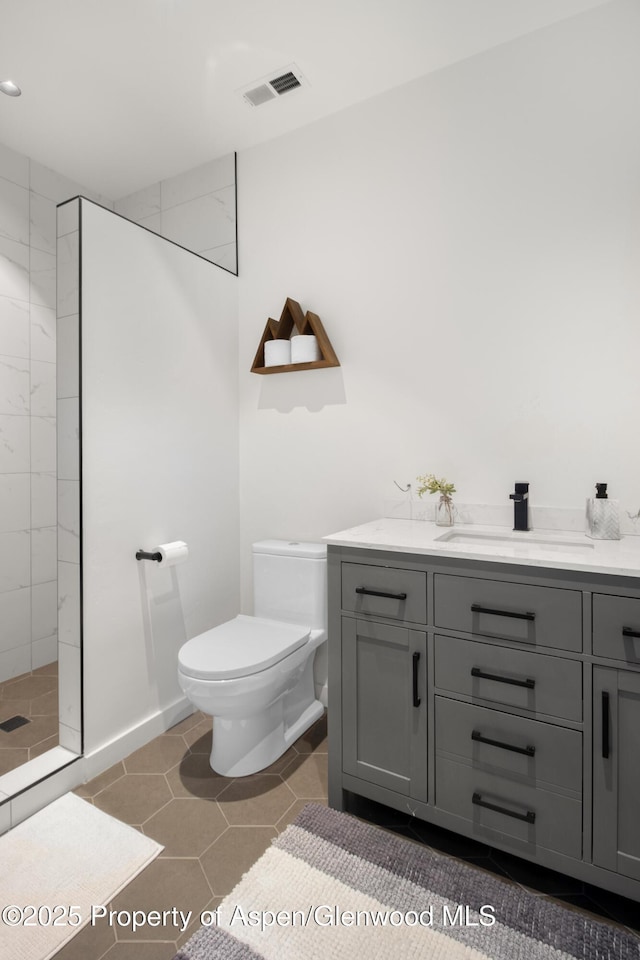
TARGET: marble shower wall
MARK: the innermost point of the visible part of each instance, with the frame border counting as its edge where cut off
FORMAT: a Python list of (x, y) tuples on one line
[(29, 193), (196, 209)]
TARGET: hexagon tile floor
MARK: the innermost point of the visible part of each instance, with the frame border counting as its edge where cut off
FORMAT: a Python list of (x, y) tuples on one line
[(214, 828)]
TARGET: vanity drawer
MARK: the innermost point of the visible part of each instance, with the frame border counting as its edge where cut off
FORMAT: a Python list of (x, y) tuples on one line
[(539, 616), (616, 627), (543, 754), (527, 816), (384, 592), (515, 678)]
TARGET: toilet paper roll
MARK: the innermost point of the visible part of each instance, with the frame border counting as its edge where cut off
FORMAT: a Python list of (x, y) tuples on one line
[(172, 553), (277, 352), (304, 349)]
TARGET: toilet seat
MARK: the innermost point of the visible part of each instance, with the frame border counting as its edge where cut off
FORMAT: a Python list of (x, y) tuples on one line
[(240, 647)]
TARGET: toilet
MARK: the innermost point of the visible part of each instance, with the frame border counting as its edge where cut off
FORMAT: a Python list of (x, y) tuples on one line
[(255, 675)]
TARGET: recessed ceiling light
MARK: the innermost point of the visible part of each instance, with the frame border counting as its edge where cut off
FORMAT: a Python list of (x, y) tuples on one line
[(10, 88)]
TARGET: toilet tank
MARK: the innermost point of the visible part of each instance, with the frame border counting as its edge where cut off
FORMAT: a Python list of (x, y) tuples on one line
[(290, 582)]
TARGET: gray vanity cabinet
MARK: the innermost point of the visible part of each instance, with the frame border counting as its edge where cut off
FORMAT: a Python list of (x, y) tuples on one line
[(500, 701), (505, 775), (616, 734), (384, 705), (510, 777), (616, 771), (383, 677), (523, 614)]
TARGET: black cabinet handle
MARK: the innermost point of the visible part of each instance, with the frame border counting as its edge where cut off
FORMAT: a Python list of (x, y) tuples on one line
[(605, 725), (416, 660), (381, 593), (477, 608), (528, 683), (528, 817), (527, 751), (630, 632)]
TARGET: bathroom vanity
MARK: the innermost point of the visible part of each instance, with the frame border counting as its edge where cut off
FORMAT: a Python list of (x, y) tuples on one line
[(491, 685)]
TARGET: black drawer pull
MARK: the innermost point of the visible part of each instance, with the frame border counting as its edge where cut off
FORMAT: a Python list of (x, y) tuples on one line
[(527, 751), (416, 660), (605, 725), (381, 593), (528, 683), (528, 817), (630, 632), (477, 608)]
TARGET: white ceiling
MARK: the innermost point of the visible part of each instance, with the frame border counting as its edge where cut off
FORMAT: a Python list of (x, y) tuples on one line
[(118, 94)]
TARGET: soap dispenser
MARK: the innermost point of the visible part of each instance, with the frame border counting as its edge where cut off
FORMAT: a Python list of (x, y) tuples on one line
[(603, 520)]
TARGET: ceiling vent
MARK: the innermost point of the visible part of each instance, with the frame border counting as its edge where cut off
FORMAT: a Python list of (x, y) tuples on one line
[(272, 87), (288, 81)]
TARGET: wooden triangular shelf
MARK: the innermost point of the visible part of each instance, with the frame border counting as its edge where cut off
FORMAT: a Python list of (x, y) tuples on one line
[(290, 318)]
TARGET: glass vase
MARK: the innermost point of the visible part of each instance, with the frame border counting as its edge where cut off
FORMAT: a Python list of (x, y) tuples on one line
[(445, 512)]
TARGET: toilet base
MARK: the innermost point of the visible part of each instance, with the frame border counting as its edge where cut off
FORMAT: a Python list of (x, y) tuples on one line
[(244, 746), (257, 717)]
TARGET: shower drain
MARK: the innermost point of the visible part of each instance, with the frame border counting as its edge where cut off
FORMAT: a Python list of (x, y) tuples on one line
[(13, 723)]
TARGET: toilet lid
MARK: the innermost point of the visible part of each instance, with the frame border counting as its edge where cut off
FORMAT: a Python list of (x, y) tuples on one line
[(240, 647)]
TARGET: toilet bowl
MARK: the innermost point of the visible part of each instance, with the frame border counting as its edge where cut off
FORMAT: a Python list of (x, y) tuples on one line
[(254, 675)]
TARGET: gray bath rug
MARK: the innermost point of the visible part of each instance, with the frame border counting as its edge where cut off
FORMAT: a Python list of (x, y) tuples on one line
[(332, 886)]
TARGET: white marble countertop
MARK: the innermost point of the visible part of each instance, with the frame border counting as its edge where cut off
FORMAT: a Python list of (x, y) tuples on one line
[(539, 548)]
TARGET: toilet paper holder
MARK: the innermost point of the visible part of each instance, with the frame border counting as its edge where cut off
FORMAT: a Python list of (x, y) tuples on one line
[(146, 555), (168, 554)]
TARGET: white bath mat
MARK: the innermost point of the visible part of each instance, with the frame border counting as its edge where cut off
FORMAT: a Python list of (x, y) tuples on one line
[(56, 866)]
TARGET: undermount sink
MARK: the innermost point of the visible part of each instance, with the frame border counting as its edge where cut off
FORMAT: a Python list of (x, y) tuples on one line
[(514, 540)]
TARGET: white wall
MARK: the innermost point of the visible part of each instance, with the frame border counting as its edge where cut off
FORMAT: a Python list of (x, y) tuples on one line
[(160, 463), (471, 244)]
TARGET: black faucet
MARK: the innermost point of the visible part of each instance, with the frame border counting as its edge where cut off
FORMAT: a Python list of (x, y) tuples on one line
[(520, 506)]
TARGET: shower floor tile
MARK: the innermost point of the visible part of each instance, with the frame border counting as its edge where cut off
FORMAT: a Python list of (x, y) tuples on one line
[(34, 696)]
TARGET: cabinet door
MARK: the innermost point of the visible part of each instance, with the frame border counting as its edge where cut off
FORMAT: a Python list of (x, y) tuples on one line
[(384, 705), (616, 771)]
